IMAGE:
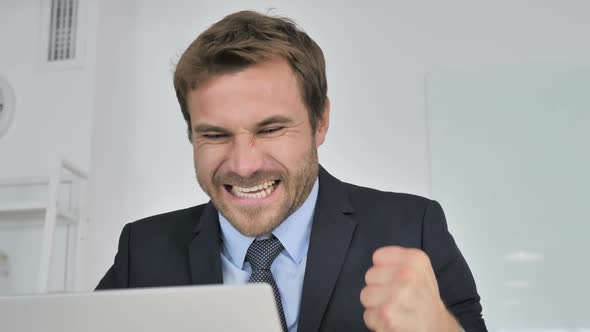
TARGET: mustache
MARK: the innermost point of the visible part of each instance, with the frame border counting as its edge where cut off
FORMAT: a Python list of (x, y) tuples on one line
[(256, 178)]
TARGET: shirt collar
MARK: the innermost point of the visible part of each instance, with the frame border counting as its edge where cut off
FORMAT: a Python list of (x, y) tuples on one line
[(294, 233)]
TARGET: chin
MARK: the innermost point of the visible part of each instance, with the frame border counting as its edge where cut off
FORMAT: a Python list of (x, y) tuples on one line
[(252, 227)]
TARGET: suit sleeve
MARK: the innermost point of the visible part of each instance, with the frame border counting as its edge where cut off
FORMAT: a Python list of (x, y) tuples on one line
[(455, 281), (118, 275)]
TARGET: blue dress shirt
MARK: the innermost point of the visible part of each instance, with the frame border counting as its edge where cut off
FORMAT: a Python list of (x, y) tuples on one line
[(288, 268)]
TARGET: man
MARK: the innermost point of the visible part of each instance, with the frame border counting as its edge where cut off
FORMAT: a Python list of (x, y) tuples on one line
[(253, 92)]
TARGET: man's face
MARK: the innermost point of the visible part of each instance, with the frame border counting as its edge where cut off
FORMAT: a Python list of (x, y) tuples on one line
[(254, 150)]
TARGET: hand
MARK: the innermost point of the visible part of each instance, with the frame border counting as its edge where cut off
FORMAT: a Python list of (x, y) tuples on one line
[(402, 294)]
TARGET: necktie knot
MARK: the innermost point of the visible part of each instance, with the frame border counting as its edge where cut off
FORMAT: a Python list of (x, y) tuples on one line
[(262, 253)]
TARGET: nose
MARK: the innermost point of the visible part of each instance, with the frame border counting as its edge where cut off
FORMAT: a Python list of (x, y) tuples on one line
[(245, 158)]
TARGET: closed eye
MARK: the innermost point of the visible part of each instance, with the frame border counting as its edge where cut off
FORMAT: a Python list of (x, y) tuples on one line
[(214, 136), (271, 130)]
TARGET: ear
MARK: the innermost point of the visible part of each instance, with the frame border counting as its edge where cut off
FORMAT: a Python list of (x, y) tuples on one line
[(323, 125)]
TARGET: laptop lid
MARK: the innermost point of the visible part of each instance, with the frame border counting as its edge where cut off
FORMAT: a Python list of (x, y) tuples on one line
[(195, 308)]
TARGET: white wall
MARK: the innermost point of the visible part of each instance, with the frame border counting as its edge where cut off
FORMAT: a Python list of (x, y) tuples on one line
[(53, 107), (53, 119)]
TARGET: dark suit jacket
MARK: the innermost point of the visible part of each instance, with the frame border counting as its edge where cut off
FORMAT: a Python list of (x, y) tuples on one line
[(350, 223)]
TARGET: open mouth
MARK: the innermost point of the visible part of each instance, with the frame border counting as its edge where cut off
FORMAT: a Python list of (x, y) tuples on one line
[(259, 191)]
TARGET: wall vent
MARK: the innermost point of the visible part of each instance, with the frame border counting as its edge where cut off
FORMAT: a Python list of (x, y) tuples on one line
[(63, 30)]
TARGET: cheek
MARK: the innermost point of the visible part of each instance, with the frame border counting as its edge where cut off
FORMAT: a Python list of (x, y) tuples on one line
[(288, 151), (207, 159)]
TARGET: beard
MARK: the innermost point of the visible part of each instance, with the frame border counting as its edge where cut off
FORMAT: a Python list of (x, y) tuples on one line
[(258, 220)]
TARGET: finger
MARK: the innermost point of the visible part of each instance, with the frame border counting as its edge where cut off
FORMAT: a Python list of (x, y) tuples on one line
[(400, 276), (388, 318), (380, 275), (405, 298), (400, 294), (374, 319), (374, 296), (394, 255), (390, 255)]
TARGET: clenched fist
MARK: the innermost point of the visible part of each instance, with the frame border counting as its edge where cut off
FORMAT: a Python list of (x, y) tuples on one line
[(402, 294)]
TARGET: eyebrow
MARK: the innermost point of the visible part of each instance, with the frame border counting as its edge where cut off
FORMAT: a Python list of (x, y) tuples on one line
[(208, 128), (276, 119)]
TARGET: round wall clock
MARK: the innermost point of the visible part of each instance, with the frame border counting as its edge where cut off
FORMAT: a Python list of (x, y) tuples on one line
[(6, 106)]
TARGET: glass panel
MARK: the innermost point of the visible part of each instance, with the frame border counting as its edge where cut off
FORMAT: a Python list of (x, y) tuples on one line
[(510, 158)]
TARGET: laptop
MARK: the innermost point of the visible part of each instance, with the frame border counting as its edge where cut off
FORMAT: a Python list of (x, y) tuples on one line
[(196, 308)]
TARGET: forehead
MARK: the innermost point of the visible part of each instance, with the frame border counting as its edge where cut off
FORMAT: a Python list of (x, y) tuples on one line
[(246, 96)]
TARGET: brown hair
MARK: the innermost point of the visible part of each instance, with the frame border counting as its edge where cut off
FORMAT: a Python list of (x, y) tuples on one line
[(246, 38)]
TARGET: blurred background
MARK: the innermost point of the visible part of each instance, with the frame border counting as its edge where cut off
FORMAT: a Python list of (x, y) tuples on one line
[(481, 105)]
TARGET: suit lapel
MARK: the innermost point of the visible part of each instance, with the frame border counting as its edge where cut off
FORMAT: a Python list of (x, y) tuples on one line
[(204, 249), (331, 233)]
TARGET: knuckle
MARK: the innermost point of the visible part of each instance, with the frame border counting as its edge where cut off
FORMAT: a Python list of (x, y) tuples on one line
[(368, 318), (419, 256), (370, 276), (390, 325), (383, 314), (406, 274), (386, 251), (386, 316), (379, 253), (363, 296)]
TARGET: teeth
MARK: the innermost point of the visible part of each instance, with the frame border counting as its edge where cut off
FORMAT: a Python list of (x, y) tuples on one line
[(259, 191)]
